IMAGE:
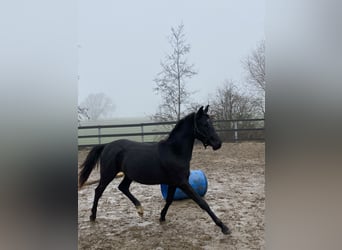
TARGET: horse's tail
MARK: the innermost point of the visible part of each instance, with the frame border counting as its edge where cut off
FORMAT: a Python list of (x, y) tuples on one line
[(89, 163)]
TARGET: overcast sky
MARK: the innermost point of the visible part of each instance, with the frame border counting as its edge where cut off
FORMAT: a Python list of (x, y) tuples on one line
[(121, 44)]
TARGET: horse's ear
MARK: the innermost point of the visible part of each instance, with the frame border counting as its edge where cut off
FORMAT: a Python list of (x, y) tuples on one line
[(206, 109), (200, 111)]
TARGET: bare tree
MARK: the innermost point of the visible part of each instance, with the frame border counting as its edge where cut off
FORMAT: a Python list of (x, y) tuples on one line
[(254, 64), (230, 103), (171, 80), (98, 105), (82, 114)]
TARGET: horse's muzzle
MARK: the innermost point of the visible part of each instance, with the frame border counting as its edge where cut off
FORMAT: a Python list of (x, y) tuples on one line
[(217, 145)]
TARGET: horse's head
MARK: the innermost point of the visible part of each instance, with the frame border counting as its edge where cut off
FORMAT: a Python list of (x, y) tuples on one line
[(204, 129)]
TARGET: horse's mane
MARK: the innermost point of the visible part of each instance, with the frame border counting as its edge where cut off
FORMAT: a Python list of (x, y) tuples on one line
[(180, 124)]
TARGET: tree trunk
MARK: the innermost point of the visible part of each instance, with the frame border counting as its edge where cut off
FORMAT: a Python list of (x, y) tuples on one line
[(179, 88), (179, 101)]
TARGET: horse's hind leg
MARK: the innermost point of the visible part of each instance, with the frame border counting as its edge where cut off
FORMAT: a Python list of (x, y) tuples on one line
[(124, 188), (104, 181)]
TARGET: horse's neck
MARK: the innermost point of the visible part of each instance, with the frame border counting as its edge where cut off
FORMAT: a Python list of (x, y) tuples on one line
[(183, 141)]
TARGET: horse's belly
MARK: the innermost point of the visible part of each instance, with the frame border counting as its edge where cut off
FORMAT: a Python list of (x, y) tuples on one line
[(145, 170), (146, 175)]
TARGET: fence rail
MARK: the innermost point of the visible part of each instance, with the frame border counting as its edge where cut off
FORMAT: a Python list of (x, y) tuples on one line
[(229, 131)]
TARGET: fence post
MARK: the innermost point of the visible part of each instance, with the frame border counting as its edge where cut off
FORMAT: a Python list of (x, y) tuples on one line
[(99, 134), (142, 132), (235, 131)]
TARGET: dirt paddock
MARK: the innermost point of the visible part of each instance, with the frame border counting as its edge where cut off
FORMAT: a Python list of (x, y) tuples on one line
[(235, 193)]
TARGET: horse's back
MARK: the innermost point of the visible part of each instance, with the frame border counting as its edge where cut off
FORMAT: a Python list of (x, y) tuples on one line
[(117, 146)]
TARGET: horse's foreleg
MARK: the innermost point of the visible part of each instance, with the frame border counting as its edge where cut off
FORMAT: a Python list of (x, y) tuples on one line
[(124, 188), (203, 204), (169, 198)]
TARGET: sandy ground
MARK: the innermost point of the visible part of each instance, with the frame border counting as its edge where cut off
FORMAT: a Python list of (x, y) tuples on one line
[(235, 193)]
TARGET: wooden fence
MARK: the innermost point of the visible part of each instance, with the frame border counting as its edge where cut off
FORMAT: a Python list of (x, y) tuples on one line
[(228, 130)]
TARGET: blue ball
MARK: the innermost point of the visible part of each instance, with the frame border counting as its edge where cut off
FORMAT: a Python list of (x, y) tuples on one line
[(198, 182)]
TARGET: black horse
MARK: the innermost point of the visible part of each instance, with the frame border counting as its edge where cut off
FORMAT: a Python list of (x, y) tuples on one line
[(165, 162)]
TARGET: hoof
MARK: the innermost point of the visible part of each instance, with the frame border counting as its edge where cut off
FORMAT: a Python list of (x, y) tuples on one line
[(140, 210), (161, 220), (120, 174), (92, 217), (225, 230)]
